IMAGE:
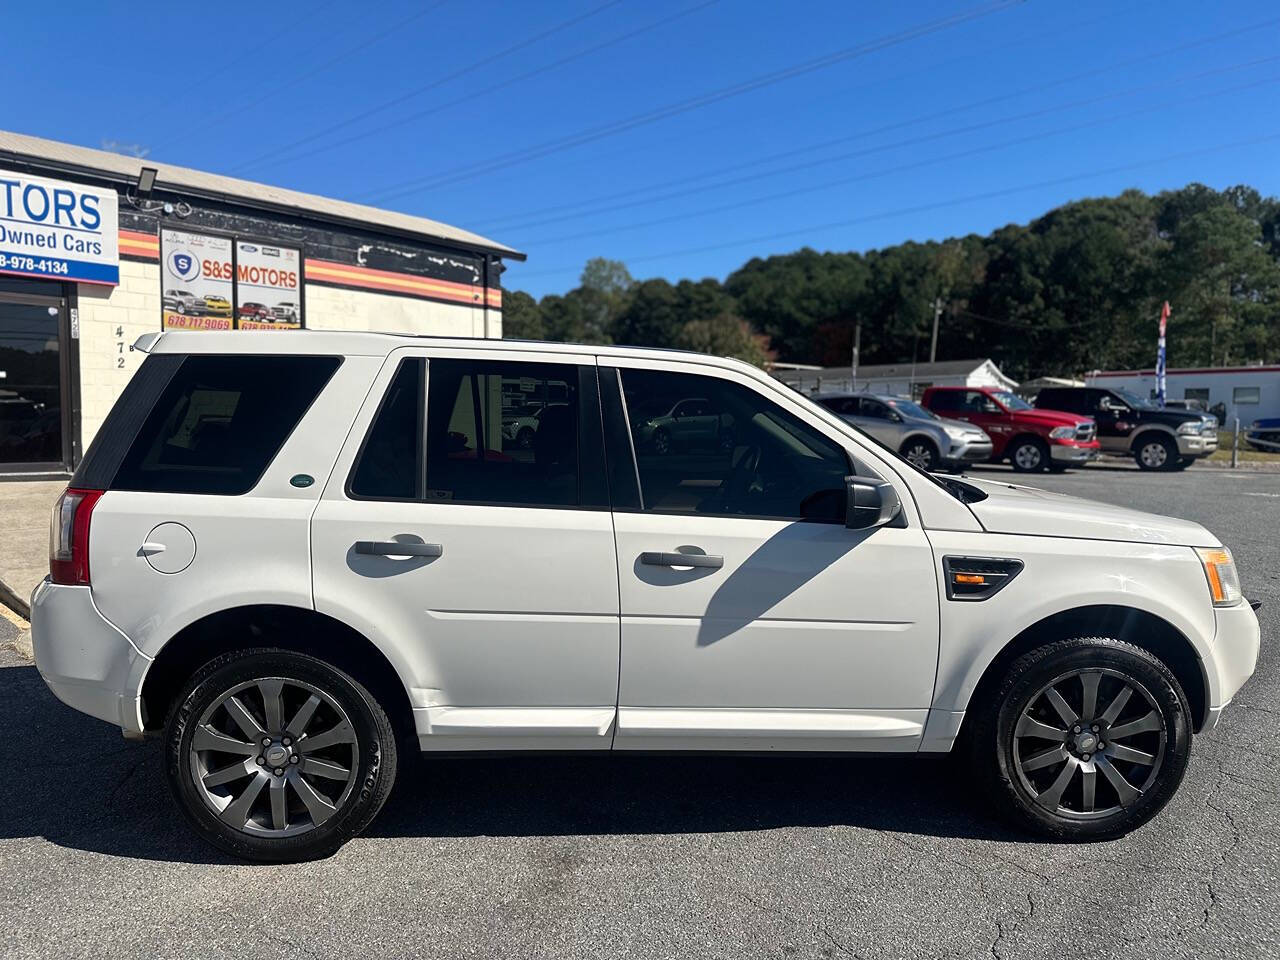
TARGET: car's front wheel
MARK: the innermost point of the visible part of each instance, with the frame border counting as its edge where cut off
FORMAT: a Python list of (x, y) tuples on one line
[(1155, 452), (1085, 739), (1029, 455), (277, 756), (920, 452)]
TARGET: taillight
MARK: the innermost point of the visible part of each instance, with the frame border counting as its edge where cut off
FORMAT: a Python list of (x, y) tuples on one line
[(69, 536)]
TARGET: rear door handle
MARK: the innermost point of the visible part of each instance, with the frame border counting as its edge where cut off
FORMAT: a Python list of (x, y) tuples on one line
[(394, 548), (655, 559)]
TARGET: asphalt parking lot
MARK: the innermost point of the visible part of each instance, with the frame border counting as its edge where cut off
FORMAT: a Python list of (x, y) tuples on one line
[(661, 857)]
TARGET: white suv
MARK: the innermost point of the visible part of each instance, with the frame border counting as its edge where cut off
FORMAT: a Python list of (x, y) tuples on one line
[(288, 558)]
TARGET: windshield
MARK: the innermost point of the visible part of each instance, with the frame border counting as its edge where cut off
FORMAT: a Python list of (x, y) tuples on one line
[(1010, 401), (909, 408), (1133, 400)]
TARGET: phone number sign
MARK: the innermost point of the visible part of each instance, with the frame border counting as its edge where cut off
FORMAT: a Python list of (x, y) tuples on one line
[(65, 231)]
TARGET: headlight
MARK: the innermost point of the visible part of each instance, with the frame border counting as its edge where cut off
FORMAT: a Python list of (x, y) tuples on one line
[(1063, 433), (1220, 569), (957, 433), (1191, 428)]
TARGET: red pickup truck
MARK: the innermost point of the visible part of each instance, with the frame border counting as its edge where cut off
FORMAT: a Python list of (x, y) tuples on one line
[(1029, 438)]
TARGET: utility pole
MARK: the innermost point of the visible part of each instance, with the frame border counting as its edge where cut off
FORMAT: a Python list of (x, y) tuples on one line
[(933, 344), (853, 360)]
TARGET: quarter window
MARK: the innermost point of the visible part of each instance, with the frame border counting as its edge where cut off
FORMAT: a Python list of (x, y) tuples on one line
[(220, 421), (742, 455)]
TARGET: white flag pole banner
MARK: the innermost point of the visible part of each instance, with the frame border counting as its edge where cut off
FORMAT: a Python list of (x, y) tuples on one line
[(59, 230), (196, 281)]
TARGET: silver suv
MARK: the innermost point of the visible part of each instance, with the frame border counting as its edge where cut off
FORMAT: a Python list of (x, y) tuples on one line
[(919, 435)]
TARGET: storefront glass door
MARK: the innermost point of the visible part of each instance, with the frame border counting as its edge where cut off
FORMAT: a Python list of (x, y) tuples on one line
[(31, 408)]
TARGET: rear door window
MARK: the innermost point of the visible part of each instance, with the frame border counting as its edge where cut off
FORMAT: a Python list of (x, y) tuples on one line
[(220, 421), (482, 448)]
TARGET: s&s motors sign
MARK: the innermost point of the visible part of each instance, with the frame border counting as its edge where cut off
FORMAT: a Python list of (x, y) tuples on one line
[(63, 231)]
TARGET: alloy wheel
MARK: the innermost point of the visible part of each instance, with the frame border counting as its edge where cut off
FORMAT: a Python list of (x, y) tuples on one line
[(274, 757), (1027, 456), (919, 455), (1088, 744), (1154, 454)]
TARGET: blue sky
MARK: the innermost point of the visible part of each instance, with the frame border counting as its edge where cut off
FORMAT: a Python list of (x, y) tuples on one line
[(682, 137)]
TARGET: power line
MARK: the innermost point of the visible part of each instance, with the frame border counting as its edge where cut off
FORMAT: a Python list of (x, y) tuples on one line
[(418, 91), (842, 181), (927, 207), (474, 95), (240, 108), (561, 144), (523, 220)]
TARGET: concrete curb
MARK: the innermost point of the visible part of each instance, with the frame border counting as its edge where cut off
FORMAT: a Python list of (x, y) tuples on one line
[(23, 645), (19, 605)]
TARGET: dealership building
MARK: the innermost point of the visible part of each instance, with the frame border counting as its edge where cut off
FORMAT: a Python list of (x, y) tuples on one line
[(97, 249)]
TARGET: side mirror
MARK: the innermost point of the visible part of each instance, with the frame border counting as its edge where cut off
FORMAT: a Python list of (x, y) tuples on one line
[(895, 417), (870, 503)]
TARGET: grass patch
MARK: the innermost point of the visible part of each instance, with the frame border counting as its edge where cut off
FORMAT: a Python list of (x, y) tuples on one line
[(1247, 453)]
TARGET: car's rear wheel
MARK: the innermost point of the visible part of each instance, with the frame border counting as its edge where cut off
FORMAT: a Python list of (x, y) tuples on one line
[(1029, 455), (1155, 452), (1085, 739), (277, 756), (921, 452)]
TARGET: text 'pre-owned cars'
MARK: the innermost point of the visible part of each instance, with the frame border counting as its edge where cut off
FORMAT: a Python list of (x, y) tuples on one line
[(291, 558)]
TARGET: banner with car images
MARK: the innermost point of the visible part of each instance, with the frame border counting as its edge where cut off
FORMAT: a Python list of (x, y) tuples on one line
[(268, 286), (196, 281)]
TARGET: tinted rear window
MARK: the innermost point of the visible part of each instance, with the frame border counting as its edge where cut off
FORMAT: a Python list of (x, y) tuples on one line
[(220, 421)]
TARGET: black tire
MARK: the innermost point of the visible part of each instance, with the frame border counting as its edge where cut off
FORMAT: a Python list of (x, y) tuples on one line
[(1155, 451), (661, 441), (920, 451), (370, 777), (1183, 463), (1029, 455), (524, 438), (995, 757), (1057, 467)]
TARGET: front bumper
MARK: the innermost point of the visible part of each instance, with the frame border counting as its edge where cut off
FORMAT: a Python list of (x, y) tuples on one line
[(1073, 452), (1197, 446), (1234, 655), (969, 451), (84, 659)]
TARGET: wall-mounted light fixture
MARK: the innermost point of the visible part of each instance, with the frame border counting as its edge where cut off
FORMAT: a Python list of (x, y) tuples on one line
[(146, 180)]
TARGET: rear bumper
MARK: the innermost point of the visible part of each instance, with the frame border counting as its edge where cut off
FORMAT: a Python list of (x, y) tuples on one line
[(1235, 655), (84, 659)]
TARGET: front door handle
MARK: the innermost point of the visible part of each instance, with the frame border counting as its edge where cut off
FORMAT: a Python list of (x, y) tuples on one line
[(655, 559), (394, 548)]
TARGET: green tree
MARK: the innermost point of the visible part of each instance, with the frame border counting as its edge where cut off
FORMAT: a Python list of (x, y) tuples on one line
[(522, 317)]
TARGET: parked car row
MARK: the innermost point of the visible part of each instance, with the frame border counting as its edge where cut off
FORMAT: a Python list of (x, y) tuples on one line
[(1065, 426)]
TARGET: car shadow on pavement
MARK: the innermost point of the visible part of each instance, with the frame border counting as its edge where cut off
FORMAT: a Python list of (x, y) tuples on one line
[(72, 780)]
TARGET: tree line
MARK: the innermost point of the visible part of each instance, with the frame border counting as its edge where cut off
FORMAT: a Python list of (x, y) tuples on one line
[(1077, 289)]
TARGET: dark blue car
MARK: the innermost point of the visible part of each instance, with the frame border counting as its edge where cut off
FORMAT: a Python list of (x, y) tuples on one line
[(1264, 435)]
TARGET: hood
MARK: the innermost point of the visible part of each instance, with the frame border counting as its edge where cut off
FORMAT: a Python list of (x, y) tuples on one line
[(964, 425), (1009, 508), (1051, 418)]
